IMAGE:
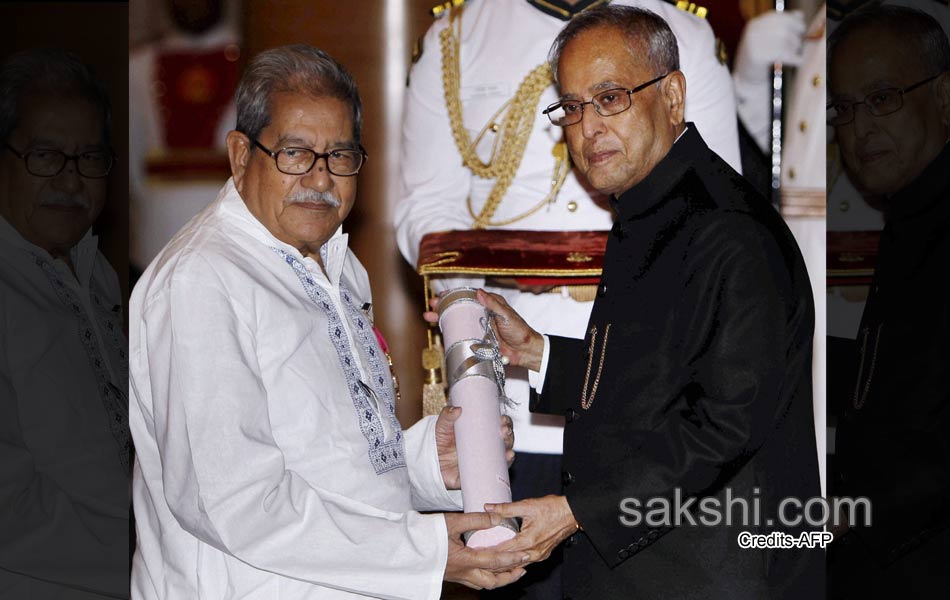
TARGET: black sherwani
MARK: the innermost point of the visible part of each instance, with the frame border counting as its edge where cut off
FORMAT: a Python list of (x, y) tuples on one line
[(893, 442), (702, 382)]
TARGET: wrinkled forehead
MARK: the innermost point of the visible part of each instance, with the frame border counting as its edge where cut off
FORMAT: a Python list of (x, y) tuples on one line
[(874, 58), (59, 120), (599, 59)]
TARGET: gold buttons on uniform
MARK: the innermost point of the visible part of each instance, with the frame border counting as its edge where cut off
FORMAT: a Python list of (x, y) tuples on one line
[(791, 173), (803, 126), (572, 206), (816, 80)]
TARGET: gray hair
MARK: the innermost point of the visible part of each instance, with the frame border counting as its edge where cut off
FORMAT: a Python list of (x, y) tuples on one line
[(912, 26), (644, 30), (300, 69), (47, 70)]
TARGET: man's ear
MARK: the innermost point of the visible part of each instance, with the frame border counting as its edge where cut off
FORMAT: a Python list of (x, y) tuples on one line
[(674, 95), (239, 154)]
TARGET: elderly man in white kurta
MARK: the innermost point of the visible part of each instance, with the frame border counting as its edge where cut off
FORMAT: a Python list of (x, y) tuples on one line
[(270, 463), (64, 437)]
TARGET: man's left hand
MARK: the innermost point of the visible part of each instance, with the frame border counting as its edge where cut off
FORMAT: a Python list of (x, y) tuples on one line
[(545, 523), (445, 443)]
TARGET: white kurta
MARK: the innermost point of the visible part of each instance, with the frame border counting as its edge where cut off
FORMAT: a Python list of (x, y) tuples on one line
[(264, 467), (64, 489), (501, 43)]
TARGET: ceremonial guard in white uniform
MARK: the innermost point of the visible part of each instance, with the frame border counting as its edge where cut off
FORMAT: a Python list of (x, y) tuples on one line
[(208, 71), (803, 196)]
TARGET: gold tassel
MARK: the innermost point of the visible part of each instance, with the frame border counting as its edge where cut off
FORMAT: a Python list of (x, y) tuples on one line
[(582, 293), (433, 362), (433, 391)]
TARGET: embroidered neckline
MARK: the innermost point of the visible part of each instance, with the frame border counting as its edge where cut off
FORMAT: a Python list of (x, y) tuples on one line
[(114, 399), (384, 455)]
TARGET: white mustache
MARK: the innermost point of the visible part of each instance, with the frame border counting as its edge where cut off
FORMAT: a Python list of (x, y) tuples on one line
[(65, 200), (314, 197)]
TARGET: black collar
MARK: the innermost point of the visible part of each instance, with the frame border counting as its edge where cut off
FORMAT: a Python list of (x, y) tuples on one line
[(839, 9), (656, 185), (562, 10), (923, 192)]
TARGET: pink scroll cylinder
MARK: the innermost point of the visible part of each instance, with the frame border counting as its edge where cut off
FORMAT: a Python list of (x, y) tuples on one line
[(481, 446)]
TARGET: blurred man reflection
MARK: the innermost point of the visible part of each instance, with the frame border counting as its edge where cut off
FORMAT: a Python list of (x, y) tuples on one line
[(64, 439), (889, 98)]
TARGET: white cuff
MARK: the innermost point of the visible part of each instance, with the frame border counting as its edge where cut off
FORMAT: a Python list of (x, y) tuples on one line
[(536, 378), (425, 476), (445, 284)]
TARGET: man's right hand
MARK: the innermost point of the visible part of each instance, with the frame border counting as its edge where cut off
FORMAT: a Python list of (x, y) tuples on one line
[(774, 37), (482, 568), (522, 345)]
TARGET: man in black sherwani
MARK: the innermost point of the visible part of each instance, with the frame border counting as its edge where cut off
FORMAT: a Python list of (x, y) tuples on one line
[(889, 95), (695, 375)]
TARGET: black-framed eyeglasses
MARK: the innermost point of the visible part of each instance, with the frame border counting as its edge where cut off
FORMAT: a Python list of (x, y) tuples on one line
[(47, 162), (607, 104), (879, 103), (298, 161)]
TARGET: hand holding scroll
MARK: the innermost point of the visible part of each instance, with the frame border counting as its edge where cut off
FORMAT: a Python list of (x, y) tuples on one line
[(545, 523), (448, 454), (482, 568), (520, 344)]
